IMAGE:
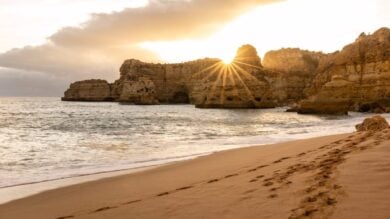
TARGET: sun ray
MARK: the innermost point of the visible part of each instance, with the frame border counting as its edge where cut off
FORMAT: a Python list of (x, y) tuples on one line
[(245, 73), (243, 63), (224, 74), (213, 87), (211, 73), (206, 69), (243, 83), (230, 77)]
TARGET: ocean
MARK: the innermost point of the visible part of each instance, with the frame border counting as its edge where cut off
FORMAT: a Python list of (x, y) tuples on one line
[(43, 139)]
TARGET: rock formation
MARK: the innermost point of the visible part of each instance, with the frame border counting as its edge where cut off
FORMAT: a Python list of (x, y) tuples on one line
[(247, 54), (89, 90), (141, 91), (165, 83), (334, 98), (375, 123), (290, 72), (206, 83), (362, 73), (356, 78), (240, 84)]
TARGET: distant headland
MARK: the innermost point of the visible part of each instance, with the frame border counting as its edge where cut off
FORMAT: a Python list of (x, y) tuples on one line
[(357, 78)]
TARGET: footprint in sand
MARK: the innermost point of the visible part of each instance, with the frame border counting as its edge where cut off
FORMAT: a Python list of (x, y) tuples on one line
[(273, 196), (262, 166), (132, 202), (363, 148), (163, 194), (338, 142), (268, 184), (231, 175), (281, 159), (250, 191), (213, 181), (66, 217), (330, 201), (104, 209), (252, 170), (184, 188)]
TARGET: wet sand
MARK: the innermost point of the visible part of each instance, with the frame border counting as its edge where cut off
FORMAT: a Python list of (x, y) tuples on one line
[(339, 176)]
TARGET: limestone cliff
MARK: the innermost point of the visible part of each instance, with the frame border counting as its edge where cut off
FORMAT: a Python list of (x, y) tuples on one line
[(167, 83), (241, 84), (355, 78), (205, 83), (289, 72), (329, 102), (365, 65)]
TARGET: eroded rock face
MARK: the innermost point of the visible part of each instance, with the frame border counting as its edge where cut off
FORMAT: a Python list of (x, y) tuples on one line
[(141, 91), (247, 54), (357, 78), (89, 90), (334, 98), (375, 123), (365, 64), (172, 83), (289, 72), (292, 60), (240, 84), (205, 83)]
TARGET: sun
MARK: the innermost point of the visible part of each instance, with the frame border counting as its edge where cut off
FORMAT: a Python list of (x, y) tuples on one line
[(227, 60)]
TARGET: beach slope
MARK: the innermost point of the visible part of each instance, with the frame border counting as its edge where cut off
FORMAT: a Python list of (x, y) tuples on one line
[(340, 176)]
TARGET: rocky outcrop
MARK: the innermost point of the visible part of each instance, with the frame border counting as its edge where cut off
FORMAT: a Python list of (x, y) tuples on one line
[(364, 66), (205, 83), (356, 78), (141, 91), (292, 60), (289, 72), (241, 84), (375, 123), (247, 54), (334, 98), (89, 90), (166, 83)]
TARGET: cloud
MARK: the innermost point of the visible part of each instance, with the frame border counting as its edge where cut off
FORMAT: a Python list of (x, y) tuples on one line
[(29, 83), (97, 48)]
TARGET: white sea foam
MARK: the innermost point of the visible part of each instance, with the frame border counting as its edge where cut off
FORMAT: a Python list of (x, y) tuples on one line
[(45, 139)]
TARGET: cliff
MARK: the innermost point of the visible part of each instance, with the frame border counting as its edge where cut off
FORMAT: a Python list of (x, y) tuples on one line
[(364, 66), (205, 83), (356, 78), (290, 72)]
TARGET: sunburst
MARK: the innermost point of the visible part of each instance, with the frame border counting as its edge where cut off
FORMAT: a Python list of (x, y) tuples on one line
[(227, 72)]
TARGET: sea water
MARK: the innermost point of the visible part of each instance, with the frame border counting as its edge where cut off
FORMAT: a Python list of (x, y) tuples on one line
[(43, 139)]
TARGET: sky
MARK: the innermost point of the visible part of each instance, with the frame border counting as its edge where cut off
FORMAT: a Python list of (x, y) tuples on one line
[(46, 44)]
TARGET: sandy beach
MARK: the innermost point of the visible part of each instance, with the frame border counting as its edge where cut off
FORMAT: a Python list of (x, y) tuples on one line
[(339, 176), (194, 109)]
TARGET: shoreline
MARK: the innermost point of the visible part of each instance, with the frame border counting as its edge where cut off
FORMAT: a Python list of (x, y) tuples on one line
[(25, 190), (256, 180), (21, 191), (80, 154)]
